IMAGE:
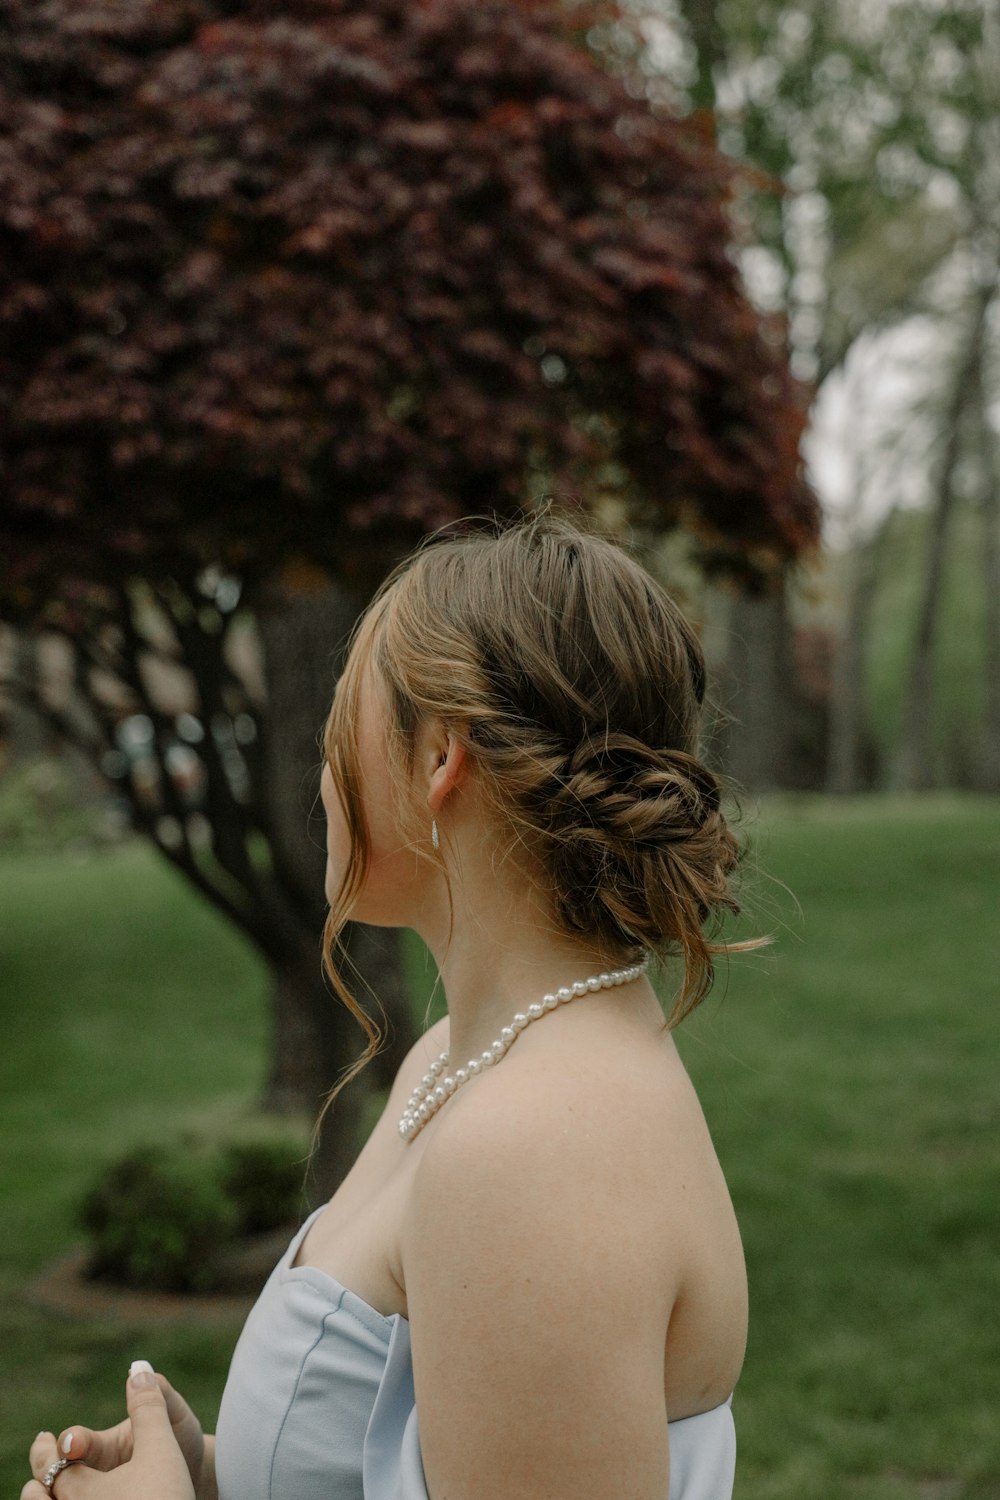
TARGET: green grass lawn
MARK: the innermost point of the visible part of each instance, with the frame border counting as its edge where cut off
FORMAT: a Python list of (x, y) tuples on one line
[(848, 1074)]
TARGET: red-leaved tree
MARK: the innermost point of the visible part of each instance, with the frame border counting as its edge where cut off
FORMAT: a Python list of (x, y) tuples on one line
[(282, 286)]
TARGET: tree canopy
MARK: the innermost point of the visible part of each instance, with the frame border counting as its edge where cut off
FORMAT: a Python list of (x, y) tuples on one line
[(308, 279)]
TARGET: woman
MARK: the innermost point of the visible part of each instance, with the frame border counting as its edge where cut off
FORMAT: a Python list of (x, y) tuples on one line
[(535, 1250)]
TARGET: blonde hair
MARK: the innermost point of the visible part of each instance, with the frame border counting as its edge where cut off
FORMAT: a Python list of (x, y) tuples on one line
[(576, 686)]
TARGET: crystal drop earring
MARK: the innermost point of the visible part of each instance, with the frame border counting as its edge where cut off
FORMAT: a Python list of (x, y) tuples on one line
[(435, 840)]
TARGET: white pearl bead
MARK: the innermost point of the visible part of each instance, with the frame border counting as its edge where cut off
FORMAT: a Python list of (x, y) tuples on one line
[(565, 993), (448, 1084), (461, 1074), (580, 987), (534, 1011), (605, 981), (549, 1002), (473, 1065), (507, 1035), (520, 1021), (423, 1112), (427, 1080), (594, 984), (439, 1093), (498, 1049)]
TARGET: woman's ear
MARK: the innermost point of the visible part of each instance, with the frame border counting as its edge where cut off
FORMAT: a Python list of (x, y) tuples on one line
[(450, 768)]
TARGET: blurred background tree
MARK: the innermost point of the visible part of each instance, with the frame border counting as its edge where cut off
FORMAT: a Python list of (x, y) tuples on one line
[(873, 226), (283, 289)]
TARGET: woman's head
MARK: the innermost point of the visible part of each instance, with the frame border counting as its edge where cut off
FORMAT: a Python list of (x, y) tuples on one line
[(574, 687)]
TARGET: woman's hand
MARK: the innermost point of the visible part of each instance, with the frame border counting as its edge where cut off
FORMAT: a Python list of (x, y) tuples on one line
[(113, 1446), (156, 1453)]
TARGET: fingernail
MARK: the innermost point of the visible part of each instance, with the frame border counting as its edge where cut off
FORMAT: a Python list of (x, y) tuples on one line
[(39, 1434), (140, 1374), (67, 1442)]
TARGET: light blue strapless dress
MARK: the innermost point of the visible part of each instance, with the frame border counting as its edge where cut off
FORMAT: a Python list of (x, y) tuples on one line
[(319, 1404)]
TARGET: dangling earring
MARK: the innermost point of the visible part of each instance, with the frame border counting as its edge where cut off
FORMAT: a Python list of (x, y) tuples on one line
[(435, 840)]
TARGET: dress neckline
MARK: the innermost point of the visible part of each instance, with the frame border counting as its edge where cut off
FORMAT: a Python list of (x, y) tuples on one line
[(380, 1323), (384, 1323)]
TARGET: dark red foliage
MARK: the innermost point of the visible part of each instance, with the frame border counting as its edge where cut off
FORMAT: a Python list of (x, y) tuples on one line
[(311, 278)]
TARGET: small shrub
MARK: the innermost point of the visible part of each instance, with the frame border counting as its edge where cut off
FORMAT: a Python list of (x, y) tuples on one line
[(263, 1181), (165, 1217), (159, 1221)]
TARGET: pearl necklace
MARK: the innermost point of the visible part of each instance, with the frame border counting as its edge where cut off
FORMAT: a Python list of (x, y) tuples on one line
[(428, 1097)]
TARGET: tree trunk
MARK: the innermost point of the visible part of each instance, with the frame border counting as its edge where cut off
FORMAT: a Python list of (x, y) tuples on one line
[(747, 642), (303, 633), (988, 778), (295, 1078), (709, 47), (845, 762), (914, 763), (335, 1041), (752, 740)]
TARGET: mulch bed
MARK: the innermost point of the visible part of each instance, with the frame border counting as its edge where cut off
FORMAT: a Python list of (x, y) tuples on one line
[(63, 1287)]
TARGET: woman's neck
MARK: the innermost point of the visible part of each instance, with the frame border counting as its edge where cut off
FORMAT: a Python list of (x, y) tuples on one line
[(490, 975), (498, 948)]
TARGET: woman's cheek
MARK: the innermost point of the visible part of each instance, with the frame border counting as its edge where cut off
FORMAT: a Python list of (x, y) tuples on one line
[(337, 853)]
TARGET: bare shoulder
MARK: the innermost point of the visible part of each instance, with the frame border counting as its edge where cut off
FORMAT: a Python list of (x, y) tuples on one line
[(518, 1229), (531, 1117), (544, 1161), (622, 1119)]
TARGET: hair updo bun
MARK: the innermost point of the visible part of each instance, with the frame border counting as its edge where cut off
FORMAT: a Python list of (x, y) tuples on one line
[(639, 849), (576, 685)]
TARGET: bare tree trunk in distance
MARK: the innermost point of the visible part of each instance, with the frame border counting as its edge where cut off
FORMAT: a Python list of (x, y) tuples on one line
[(847, 694), (706, 35), (913, 769), (752, 742), (989, 766), (747, 641), (986, 136), (863, 564)]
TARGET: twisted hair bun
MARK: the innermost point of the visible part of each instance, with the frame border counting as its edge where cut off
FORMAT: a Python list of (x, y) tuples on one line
[(576, 685), (639, 848)]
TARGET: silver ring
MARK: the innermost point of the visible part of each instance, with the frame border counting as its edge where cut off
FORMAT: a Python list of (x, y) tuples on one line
[(53, 1470)]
